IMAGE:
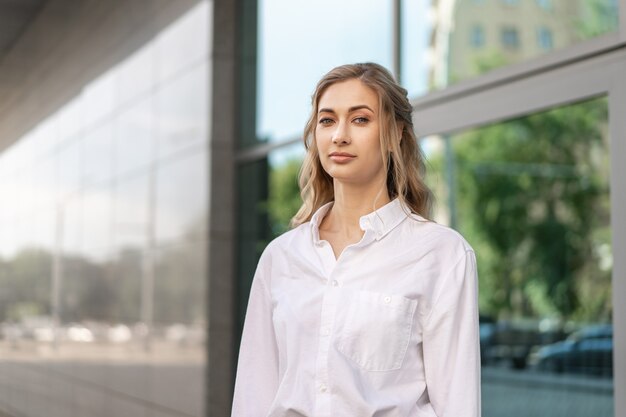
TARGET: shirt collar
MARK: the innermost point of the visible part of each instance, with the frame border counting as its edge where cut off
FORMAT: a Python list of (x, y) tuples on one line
[(380, 221)]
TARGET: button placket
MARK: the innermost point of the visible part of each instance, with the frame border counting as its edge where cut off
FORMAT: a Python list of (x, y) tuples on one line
[(329, 302)]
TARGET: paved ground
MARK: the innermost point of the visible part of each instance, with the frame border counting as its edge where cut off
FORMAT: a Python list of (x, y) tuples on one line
[(163, 386), (102, 381), (531, 394)]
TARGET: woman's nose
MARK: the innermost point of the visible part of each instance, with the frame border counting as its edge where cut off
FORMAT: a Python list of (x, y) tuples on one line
[(341, 134)]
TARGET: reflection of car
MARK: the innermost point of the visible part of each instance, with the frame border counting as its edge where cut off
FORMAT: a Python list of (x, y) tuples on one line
[(79, 333), (487, 328), (512, 341), (589, 350), (120, 333)]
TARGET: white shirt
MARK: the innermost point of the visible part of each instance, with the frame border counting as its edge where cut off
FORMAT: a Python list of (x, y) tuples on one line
[(390, 328)]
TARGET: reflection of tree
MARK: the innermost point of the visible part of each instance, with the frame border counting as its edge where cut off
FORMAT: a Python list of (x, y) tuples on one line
[(533, 198), (25, 284), (284, 195), (181, 278), (597, 17)]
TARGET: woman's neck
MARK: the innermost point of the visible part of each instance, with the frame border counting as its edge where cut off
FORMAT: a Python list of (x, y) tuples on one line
[(351, 203)]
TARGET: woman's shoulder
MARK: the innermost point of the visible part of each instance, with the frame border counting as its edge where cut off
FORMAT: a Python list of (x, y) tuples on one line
[(431, 235), (292, 238)]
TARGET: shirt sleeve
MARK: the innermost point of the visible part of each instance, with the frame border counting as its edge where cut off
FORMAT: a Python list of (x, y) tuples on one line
[(451, 343), (257, 370)]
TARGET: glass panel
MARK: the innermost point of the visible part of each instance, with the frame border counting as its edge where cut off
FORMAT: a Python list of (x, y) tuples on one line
[(181, 209), (97, 164), (68, 168), (134, 137), (97, 223), (130, 213), (99, 98), (268, 197), (445, 42), (253, 231), (322, 35), (184, 43), (102, 291), (182, 109), (284, 192), (135, 76), (532, 197)]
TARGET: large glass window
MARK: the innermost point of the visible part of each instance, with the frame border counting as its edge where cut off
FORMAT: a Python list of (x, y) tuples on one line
[(269, 196), (532, 197), (299, 42), (439, 38), (103, 243)]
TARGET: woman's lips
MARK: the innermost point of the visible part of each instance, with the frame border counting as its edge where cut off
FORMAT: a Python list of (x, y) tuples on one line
[(341, 157)]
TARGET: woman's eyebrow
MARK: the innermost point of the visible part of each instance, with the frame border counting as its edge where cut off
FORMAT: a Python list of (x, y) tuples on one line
[(350, 110)]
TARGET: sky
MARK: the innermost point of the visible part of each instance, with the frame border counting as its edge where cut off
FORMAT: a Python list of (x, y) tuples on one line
[(300, 41)]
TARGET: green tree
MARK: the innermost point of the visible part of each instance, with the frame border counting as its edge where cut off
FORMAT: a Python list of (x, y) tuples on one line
[(534, 191), (284, 195)]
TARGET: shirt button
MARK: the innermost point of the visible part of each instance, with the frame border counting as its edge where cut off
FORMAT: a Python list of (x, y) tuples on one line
[(325, 331), (335, 283), (323, 387), (387, 299)]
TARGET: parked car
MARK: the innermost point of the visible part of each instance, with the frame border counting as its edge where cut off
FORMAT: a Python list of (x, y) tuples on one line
[(513, 341), (589, 350)]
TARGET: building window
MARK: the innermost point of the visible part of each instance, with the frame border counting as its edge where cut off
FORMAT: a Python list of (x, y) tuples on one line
[(477, 36), (510, 37), (544, 38), (544, 4)]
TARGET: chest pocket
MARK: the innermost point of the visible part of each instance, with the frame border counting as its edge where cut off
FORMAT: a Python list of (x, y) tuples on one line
[(375, 329)]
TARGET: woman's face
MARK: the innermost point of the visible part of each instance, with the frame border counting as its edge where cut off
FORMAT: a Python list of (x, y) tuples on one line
[(347, 133)]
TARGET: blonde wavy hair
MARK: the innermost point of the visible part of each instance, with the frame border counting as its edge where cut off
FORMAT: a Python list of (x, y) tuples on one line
[(401, 155)]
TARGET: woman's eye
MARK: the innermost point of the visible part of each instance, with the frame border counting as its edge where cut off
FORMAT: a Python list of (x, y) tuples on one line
[(361, 120), (325, 121)]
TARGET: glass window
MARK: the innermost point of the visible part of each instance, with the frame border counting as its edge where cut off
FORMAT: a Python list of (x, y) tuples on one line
[(134, 132), (70, 224), (283, 200), (477, 36), (135, 76), (68, 168), (439, 40), (97, 222), (180, 207), (85, 289), (99, 98), (97, 166), (185, 42), (544, 38), (268, 197), (509, 36), (69, 119), (531, 195), (545, 4), (130, 212), (182, 109), (321, 35)]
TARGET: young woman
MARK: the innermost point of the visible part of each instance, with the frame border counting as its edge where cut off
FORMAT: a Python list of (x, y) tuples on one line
[(364, 308)]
